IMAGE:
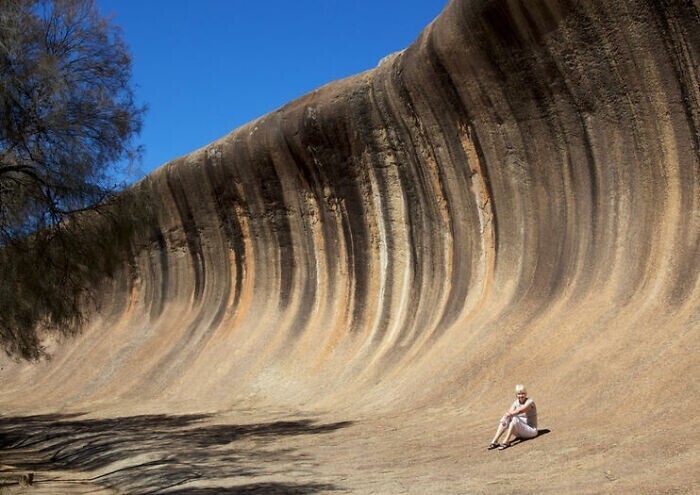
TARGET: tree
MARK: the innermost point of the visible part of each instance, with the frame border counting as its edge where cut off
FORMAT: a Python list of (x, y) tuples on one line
[(67, 118)]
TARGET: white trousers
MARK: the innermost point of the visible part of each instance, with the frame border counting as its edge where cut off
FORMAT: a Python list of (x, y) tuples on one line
[(520, 427)]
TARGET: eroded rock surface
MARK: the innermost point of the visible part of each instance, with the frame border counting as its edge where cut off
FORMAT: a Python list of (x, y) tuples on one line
[(513, 198)]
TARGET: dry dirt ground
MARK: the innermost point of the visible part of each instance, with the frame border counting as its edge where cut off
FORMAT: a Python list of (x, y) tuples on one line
[(280, 452)]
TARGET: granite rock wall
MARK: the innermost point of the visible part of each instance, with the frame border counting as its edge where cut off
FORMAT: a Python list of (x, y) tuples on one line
[(513, 197)]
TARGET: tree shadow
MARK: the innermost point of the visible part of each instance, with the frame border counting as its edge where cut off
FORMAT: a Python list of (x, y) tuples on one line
[(260, 489), (150, 453)]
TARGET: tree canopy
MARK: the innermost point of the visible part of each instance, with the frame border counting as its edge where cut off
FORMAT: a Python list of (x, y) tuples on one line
[(67, 117)]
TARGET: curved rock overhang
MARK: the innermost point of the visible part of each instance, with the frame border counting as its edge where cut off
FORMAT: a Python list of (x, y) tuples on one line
[(514, 197)]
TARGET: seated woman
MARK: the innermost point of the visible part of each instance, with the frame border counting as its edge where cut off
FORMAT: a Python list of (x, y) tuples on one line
[(520, 421)]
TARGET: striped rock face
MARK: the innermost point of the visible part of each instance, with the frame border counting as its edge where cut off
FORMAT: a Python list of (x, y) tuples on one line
[(513, 198)]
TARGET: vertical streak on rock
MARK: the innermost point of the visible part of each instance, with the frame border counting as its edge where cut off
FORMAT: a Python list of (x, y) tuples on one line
[(190, 229)]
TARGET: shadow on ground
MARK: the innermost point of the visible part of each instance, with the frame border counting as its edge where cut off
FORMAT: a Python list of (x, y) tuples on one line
[(154, 453), (518, 441)]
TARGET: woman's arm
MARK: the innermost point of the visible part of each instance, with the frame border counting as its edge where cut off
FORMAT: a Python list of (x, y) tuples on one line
[(521, 409)]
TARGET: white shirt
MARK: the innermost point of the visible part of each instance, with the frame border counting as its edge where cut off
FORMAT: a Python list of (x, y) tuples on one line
[(529, 416)]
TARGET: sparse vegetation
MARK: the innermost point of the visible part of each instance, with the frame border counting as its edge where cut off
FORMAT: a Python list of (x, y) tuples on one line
[(67, 117)]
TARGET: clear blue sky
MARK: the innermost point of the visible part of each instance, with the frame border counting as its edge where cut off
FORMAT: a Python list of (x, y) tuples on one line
[(206, 67)]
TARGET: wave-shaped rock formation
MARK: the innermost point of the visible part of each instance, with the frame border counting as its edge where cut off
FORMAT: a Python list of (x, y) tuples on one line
[(513, 198)]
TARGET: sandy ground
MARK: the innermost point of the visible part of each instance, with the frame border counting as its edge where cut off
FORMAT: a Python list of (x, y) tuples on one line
[(246, 452)]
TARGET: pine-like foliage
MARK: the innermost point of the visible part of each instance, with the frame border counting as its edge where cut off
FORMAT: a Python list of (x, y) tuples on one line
[(67, 117)]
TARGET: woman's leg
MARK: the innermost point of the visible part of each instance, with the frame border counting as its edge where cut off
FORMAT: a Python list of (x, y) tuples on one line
[(499, 432), (509, 431), (502, 423), (525, 431), (518, 429)]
